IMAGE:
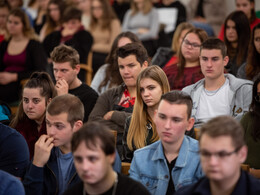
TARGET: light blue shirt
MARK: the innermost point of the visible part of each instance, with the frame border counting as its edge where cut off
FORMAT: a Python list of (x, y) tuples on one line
[(149, 166)]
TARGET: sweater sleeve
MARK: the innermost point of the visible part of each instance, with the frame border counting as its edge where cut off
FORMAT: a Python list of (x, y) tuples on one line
[(127, 153), (126, 22)]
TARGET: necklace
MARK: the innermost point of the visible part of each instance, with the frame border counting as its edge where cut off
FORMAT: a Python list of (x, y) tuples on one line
[(114, 186), (212, 93)]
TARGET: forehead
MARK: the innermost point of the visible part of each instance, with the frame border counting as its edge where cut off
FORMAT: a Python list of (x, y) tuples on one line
[(148, 81), (223, 142), (231, 23), (257, 32), (32, 92), (242, 1), (59, 118), (123, 41), (192, 37), (172, 110), (89, 148), (62, 65), (211, 53), (131, 59)]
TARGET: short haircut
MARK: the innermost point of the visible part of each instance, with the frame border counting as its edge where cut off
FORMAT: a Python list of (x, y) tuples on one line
[(214, 43), (136, 49), (179, 97), (69, 104), (94, 134), (64, 53), (3, 4), (224, 126), (71, 13)]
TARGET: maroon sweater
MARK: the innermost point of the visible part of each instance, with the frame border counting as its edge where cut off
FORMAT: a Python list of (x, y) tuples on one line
[(28, 129), (190, 76)]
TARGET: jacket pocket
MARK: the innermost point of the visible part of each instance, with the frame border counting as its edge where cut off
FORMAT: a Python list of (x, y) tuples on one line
[(150, 183)]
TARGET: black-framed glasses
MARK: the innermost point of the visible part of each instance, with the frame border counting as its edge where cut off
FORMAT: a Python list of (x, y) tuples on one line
[(193, 45), (219, 155), (257, 97)]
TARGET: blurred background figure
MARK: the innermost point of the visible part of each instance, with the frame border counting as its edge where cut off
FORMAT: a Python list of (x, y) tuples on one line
[(20, 55), (85, 7), (208, 15), (143, 20), (251, 124), (4, 12), (55, 10), (237, 37), (251, 68), (104, 27), (167, 56), (108, 75)]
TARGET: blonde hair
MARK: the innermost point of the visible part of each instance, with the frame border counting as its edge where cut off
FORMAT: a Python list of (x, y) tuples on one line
[(147, 7), (137, 132), (175, 40), (28, 31)]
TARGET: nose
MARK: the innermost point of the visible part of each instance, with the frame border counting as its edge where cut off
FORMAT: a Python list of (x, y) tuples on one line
[(167, 124), (145, 93), (213, 160), (50, 130), (30, 104), (126, 71), (58, 75)]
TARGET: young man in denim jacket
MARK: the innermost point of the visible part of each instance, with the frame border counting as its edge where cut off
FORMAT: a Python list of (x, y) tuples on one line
[(173, 161)]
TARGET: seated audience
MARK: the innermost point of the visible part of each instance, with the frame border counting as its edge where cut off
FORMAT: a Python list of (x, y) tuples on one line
[(140, 129), (143, 20), (52, 170), (108, 75), (165, 56), (14, 152), (187, 70), (237, 37), (208, 15), (54, 15), (93, 149), (173, 161), (251, 68), (85, 7), (104, 27), (32, 7), (248, 7), (251, 124), (222, 150), (116, 104), (219, 93), (41, 15), (20, 55), (4, 10), (30, 118), (66, 69), (10, 185), (166, 35), (72, 33)]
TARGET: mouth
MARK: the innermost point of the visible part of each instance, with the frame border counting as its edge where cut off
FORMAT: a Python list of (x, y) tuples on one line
[(166, 134)]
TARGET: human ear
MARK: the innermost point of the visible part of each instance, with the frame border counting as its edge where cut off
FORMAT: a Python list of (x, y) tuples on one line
[(77, 125), (242, 153), (226, 60), (191, 122), (144, 65)]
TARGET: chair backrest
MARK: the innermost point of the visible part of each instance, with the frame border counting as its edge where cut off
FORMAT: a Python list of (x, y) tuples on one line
[(88, 69), (245, 167), (125, 166), (197, 133)]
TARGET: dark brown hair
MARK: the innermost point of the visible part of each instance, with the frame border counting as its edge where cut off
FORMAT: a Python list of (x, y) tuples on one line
[(112, 71), (71, 13), (64, 53), (243, 34), (94, 135), (253, 58), (214, 43)]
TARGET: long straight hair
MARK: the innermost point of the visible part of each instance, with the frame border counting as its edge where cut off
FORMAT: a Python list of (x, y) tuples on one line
[(243, 34), (137, 132), (253, 58)]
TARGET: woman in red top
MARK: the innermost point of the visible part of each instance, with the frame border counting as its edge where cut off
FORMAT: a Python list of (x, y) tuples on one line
[(30, 118), (187, 70), (248, 7)]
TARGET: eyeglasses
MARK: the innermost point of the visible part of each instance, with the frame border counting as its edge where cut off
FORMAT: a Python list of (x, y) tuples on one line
[(257, 97), (219, 155), (193, 45)]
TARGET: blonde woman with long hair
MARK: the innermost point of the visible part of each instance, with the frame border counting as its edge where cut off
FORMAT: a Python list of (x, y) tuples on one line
[(141, 131)]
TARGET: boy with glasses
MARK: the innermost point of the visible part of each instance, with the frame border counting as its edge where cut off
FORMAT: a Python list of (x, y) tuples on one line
[(222, 150)]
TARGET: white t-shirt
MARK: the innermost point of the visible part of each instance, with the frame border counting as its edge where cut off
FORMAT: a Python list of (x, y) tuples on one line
[(213, 103)]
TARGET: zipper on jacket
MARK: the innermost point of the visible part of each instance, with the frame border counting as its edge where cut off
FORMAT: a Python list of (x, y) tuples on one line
[(55, 179)]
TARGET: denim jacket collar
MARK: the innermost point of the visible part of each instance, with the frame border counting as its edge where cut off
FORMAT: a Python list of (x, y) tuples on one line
[(182, 157)]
